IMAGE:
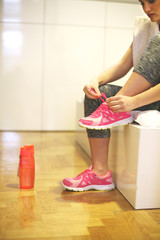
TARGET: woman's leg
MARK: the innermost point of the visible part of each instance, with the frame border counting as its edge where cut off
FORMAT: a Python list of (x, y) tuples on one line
[(99, 152), (99, 139)]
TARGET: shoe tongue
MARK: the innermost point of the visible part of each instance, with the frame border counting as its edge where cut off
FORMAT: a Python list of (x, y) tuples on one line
[(104, 106)]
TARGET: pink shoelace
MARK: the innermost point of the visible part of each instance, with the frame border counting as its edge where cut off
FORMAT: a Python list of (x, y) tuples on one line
[(103, 95), (84, 173)]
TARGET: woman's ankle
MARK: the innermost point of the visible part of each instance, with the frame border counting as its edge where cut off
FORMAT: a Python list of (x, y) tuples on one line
[(100, 171)]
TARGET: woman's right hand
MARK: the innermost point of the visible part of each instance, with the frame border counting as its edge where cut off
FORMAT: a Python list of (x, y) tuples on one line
[(93, 85)]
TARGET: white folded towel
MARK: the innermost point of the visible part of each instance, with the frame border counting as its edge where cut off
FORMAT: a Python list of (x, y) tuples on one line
[(144, 31), (150, 118)]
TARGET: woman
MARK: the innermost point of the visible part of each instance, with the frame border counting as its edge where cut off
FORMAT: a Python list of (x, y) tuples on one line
[(141, 90)]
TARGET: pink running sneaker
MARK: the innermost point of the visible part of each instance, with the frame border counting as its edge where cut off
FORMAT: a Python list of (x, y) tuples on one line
[(103, 117), (88, 180)]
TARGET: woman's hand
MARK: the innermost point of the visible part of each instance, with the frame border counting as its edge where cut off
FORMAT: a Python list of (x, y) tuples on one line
[(94, 85), (120, 103)]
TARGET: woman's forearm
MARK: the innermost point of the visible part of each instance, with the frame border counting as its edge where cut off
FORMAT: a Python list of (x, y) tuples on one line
[(135, 93), (118, 70), (113, 73), (147, 97), (135, 85)]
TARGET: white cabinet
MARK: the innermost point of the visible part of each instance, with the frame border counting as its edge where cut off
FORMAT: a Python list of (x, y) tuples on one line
[(139, 180)]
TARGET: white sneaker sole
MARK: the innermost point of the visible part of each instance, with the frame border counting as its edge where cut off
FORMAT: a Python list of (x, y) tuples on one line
[(118, 123), (92, 187)]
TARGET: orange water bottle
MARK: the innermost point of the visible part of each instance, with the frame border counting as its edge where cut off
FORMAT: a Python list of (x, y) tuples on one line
[(27, 167)]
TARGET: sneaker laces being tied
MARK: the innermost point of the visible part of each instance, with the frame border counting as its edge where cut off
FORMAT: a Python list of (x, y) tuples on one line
[(84, 173), (103, 95), (103, 107)]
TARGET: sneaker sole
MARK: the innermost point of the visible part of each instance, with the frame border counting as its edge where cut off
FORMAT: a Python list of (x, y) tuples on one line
[(91, 187), (115, 124)]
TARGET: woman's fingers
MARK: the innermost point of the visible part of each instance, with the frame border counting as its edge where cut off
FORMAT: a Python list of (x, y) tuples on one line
[(120, 103), (90, 92)]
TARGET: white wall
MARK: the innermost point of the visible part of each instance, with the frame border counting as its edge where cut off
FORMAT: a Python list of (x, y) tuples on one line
[(49, 49)]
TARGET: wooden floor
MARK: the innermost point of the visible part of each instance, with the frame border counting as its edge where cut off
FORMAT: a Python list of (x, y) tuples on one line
[(49, 212)]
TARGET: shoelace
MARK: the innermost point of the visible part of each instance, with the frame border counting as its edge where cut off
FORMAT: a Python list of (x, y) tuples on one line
[(84, 173), (103, 95), (101, 109)]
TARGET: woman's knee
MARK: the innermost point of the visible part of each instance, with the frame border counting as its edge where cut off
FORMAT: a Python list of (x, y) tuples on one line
[(90, 105)]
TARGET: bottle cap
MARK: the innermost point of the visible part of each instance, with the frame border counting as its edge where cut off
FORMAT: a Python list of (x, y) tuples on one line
[(27, 150)]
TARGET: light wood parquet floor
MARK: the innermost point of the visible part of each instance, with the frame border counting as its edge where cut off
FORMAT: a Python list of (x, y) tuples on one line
[(48, 212)]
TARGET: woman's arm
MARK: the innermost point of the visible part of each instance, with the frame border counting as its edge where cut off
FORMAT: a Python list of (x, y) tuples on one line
[(121, 103), (147, 97), (115, 72), (143, 87), (118, 70)]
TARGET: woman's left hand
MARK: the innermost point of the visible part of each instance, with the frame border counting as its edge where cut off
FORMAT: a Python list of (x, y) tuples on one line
[(120, 103)]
